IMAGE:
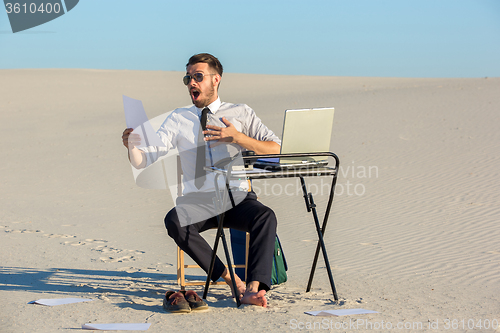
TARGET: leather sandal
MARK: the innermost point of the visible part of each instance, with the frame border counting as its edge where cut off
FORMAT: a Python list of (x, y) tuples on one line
[(195, 302), (175, 302)]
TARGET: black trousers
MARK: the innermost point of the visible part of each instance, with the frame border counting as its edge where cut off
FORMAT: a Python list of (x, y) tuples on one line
[(249, 215)]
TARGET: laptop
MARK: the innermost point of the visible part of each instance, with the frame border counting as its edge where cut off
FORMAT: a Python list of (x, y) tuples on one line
[(304, 131)]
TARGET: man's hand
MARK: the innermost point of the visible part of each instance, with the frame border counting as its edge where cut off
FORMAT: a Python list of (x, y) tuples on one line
[(130, 140), (228, 134)]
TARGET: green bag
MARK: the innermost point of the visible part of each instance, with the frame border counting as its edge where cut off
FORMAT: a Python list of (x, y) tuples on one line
[(279, 264)]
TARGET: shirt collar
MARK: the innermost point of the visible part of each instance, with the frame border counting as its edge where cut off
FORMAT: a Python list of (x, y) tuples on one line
[(214, 106)]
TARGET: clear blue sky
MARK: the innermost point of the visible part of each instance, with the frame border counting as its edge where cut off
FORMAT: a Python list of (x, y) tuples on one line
[(390, 38)]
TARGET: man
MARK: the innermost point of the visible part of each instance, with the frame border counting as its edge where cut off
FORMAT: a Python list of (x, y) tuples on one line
[(228, 125)]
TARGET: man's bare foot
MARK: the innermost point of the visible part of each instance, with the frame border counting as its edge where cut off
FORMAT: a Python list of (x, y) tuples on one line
[(258, 298), (240, 285)]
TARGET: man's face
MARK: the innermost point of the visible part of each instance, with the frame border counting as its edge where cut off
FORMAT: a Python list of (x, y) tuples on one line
[(205, 92)]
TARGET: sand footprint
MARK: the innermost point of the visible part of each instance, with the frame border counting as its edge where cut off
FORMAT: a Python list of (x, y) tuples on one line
[(144, 301), (74, 243), (31, 231), (120, 259), (129, 269), (117, 255), (59, 236), (22, 231), (85, 242), (19, 231), (103, 297), (109, 249)]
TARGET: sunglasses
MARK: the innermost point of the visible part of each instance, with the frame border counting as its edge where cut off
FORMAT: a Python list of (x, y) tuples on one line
[(198, 77)]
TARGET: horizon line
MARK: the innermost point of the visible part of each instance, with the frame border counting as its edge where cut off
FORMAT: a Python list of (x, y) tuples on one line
[(266, 74)]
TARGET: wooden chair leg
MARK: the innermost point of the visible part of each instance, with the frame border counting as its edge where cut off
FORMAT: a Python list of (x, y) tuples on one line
[(178, 267), (181, 280), (247, 246)]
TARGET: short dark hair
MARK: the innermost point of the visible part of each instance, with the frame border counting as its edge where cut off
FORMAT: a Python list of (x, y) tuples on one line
[(207, 58)]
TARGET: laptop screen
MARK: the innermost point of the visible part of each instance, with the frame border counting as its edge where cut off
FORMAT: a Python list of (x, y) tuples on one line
[(306, 131)]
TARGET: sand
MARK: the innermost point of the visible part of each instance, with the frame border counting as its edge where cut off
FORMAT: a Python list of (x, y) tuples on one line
[(413, 233)]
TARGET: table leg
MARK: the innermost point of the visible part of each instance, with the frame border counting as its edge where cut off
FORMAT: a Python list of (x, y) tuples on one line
[(214, 254), (323, 228), (231, 270), (323, 247), (220, 234), (220, 223), (304, 191)]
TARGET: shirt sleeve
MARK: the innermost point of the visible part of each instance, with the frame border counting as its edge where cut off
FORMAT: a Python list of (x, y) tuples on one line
[(167, 133), (256, 129)]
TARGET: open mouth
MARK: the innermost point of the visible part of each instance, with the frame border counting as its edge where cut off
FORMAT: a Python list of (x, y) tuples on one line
[(195, 94)]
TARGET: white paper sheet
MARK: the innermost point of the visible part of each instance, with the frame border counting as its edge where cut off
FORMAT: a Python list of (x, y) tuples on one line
[(60, 301), (117, 327), (136, 118), (337, 313)]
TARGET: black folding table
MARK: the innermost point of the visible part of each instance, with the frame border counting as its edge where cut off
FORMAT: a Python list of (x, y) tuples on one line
[(222, 198)]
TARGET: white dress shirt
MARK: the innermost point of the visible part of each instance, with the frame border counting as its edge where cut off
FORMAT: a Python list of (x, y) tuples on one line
[(180, 130)]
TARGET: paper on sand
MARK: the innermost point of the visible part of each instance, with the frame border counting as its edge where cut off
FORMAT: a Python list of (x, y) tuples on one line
[(136, 118), (59, 301), (117, 327), (337, 313)]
